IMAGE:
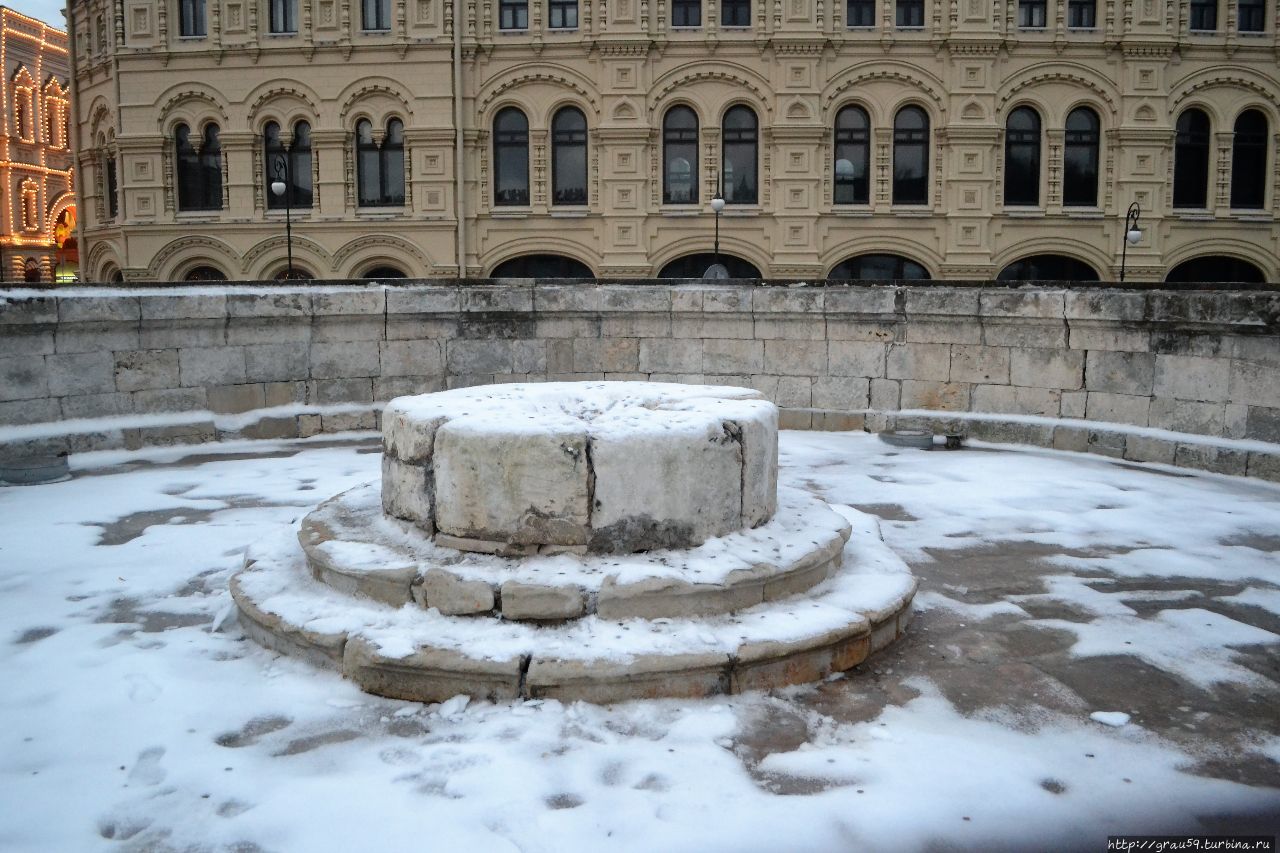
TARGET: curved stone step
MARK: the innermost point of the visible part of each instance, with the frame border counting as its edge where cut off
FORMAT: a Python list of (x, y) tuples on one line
[(354, 548), (423, 655)]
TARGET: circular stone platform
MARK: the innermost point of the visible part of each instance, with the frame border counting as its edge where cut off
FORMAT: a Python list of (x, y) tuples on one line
[(600, 467), (596, 540)]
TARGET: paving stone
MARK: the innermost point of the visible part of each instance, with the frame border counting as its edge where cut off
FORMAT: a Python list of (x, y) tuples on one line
[(431, 674), (688, 676), (541, 602), (454, 596)]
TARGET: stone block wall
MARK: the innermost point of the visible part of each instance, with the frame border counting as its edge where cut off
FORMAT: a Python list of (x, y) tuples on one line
[(1205, 362)]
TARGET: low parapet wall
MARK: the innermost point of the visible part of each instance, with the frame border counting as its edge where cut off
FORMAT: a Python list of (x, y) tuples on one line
[(106, 368)]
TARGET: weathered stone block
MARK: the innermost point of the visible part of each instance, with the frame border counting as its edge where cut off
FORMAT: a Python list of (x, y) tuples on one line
[(96, 337), (988, 365), (408, 492), (168, 400), (772, 664), (20, 340), (793, 391), (1264, 466), (1219, 460), (841, 393), (355, 301), (885, 394), (861, 299), (96, 405), (687, 676), (284, 393), (454, 596), (176, 334), (636, 326), (1263, 424), (277, 362), (856, 358), (538, 601), (629, 297), (1142, 448), (795, 358), (781, 327), (1106, 306), (348, 422), (726, 298), (29, 411), (554, 298), (1012, 432), (787, 300), (144, 370), (268, 330), (1120, 372), (184, 306), (276, 303), (601, 355), (1044, 304), (732, 356), (268, 428), (1118, 408), (1193, 378), (1187, 416), (1073, 404), (410, 358), (861, 330), (1107, 442), (1088, 336), (28, 310), (344, 359), (1047, 368), (951, 301), (919, 362), (82, 373), (1255, 383), (23, 377), (1014, 400), (431, 674), (795, 419), (1013, 332), (479, 356), (325, 391), (948, 332), (948, 396), (211, 365), (233, 399), (99, 309), (668, 356), (495, 483), (1074, 439), (424, 300)]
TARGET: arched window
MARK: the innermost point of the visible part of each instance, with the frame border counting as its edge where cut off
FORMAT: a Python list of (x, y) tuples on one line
[(199, 172), (569, 157), (510, 158), (1080, 159), (384, 272), (878, 268), (109, 184), (1249, 161), (741, 141), (30, 205), (541, 266), (284, 16), (375, 15), (680, 156), (1022, 158), (1191, 160), (695, 266), (853, 156), (1048, 268), (22, 110), (1215, 268), (205, 273), (191, 18), (911, 156), (380, 167), (31, 271), (296, 157)]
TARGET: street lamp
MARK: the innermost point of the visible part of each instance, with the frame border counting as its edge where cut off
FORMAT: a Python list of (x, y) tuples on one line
[(280, 187), (1131, 234), (717, 269)]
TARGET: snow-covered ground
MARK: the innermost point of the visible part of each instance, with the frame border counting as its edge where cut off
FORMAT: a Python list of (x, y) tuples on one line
[(1095, 653)]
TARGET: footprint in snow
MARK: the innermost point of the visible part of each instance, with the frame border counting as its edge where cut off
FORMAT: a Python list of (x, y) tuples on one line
[(147, 770)]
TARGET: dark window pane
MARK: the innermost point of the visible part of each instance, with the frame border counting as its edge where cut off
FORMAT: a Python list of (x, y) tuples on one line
[(1022, 158), (273, 154), (1048, 268), (191, 20), (878, 268), (562, 14), (1082, 14), (686, 13), (375, 14), (368, 167), (300, 165), (1204, 14), (1249, 161), (911, 157), (910, 13), (1215, 268), (860, 13), (569, 157), (735, 13), (392, 156), (1191, 160), (738, 178), (1252, 16), (513, 14), (853, 157), (1080, 159), (1031, 14), (510, 158), (541, 266), (694, 266), (680, 157), (284, 16), (113, 195)]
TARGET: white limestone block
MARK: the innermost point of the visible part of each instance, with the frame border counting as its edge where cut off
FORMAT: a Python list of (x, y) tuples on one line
[(407, 492)]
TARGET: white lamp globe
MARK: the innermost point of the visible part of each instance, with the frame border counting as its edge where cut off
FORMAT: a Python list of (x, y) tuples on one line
[(717, 204), (277, 187)]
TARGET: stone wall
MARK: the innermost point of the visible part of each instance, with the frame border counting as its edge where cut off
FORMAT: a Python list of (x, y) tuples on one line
[(1205, 362)]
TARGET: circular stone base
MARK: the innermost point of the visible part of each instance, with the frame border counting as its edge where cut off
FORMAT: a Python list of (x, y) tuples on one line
[(34, 471), (423, 655), (352, 547)]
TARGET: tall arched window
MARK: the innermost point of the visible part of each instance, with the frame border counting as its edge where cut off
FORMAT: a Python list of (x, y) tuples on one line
[(380, 167), (510, 158), (1080, 159), (1249, 161), (911, 156), (284, 16), (22, 109), (1022, 158), (569, 157), (1191, 160), (741, 141), (680, 156), (199, 172), (297, 156), (853, 156)]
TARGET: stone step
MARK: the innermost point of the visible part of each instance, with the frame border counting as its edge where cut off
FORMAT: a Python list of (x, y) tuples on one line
[(353, 547), (422, 655)]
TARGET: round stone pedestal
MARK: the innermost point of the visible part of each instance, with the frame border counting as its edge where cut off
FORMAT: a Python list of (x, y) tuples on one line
[(599, 467)]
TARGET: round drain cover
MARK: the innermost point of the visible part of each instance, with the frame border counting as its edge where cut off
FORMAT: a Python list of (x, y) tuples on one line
[(34, 470), (917, 438)]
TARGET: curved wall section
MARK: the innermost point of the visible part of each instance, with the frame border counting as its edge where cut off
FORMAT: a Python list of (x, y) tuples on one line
[(180, 364)]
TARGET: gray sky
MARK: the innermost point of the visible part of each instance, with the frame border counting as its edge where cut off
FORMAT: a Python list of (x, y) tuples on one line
[(49, 11)]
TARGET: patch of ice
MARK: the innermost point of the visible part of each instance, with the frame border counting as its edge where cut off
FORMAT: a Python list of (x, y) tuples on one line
[(1114, 719)]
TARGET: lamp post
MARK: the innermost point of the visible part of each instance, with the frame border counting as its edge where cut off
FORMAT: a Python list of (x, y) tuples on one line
[(1131, 234), (717, 269), (280, 187)]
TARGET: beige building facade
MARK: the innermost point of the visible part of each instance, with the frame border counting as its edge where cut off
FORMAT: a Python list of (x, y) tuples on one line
[(38, 218), (849, 138)]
